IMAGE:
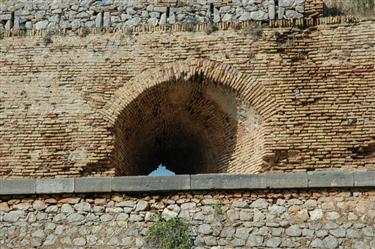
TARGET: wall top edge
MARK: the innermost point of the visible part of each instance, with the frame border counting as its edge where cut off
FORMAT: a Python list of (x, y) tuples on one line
[(293, 23), (214, 182), (50, 15)]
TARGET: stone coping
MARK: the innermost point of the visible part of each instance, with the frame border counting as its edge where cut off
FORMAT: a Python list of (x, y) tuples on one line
[(219, 182)]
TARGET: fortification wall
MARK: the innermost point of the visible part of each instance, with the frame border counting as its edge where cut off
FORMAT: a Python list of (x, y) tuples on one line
[(74, 14), (309, 94), (257, 219)]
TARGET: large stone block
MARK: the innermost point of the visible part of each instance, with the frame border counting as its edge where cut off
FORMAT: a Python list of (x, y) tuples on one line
[(150, 183), (226, 181), (92, 184), (17, 186), (55, 186), (364, 179), (322, 179), (286, 180)]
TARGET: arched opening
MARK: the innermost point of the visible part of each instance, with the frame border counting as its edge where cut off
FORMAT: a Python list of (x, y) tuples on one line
[(189, 126), (195, 116)]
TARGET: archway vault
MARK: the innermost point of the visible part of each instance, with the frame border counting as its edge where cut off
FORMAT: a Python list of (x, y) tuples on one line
[(197, 116)]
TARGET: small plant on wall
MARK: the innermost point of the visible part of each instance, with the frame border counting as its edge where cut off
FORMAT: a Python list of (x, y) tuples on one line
[(174, 233)]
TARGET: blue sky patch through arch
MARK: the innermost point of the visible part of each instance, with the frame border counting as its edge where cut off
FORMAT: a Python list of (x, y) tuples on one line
[(162, 171)]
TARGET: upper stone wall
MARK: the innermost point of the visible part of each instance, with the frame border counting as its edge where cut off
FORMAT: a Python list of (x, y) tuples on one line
[(74, 14)]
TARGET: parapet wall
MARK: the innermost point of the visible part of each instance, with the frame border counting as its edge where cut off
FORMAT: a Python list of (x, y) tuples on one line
[(74, 14)]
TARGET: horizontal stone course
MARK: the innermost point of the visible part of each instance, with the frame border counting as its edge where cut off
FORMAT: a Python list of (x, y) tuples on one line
[(301, 180), (62, 185), (150, 184)]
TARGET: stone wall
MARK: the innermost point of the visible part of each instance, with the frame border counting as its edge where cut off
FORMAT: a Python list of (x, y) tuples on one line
[(308, 95), (74, 14), (363, 8), (326, 218)]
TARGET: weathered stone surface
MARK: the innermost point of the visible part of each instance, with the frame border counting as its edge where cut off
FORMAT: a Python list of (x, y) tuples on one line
[(294, 231), (242, 233), (141, 183), (54, 186), (330, 179), (330, 242), (205, 229), (317, 243), (255, 241), (14, 216), (67, 208), (17, 186), (82, 207), (338, 233), (260, 203), (75, 217), (167, 214), (288, 180), (141, 206), (273, 242), (316, 214), (79, 241), (39, 205), (106, 217), (92, 184), (103, 15), (272, 226), (364, 179)]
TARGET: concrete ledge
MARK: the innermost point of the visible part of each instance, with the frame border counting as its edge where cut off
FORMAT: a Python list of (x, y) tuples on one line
[(219, 182)]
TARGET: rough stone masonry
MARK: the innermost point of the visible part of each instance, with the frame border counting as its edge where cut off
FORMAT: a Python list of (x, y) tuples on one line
[(260, 219), (76, 14)]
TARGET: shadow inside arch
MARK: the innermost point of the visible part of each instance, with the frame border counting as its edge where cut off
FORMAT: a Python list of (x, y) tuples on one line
[(189, 126)]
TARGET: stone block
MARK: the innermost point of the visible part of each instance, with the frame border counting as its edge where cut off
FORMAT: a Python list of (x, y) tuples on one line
[(150, 183), (226, 181), (322, 179), (17, 186), (92, 185), (5, 17), (364, 179), (55, 186), (286, 180)]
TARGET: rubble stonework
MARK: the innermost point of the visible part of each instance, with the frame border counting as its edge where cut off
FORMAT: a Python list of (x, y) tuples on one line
[(74, 14), (258, 219)]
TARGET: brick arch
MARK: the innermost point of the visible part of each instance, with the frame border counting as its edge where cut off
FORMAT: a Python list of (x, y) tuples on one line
[(249, 89)]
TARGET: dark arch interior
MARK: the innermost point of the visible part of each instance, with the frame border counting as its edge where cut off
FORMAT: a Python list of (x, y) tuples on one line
[(182, 125)]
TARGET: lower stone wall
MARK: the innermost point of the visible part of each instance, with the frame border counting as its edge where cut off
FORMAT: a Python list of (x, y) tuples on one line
[(256, 219)]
